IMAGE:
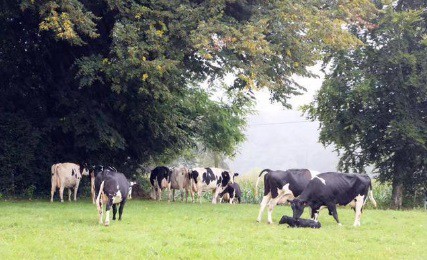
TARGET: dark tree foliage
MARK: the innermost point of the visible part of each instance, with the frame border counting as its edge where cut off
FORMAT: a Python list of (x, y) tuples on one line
[(373, 103), (118, 82)]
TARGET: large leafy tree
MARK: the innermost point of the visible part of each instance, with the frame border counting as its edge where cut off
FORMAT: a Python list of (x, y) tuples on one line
[(118, 82), (373, 103)]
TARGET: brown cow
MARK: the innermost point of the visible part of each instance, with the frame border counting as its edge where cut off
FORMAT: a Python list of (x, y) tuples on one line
[(180, 180), (66, 175)]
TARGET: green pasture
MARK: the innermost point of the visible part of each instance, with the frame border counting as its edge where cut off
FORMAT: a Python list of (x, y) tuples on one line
[(39, 230)]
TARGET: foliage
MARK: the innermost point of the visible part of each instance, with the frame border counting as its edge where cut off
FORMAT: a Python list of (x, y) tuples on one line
[(373, 104), (120, 82), (174, 231)]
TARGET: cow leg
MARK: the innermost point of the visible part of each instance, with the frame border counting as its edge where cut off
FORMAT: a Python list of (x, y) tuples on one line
[(358, 209), (75, 192), (199, 194), (114, 211), (264, 203), (333, 210), (215, 196), (271, 206), (69, 195), (316, 212), (61, 193), (122, 205), (100, 211), (52, 190), (107, 211)]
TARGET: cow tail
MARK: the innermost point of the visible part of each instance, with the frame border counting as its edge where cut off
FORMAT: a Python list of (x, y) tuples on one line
[(257, 181), (99, 196), (58, 180), (371, 196)]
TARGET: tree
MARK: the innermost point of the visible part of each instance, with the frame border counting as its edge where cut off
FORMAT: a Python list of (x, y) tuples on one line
[(373, 104), (118, 82)]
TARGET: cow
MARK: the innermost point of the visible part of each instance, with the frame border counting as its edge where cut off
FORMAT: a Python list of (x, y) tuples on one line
[(330, 189), (305, 223), (231, 192), (66, 175), (92, 181), (180, 180), (160, 179), (111, 188), (282, 186), (131, 183), (209, 179)]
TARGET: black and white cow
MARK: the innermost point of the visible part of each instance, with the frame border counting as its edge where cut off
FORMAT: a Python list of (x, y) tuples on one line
[(329, 189), (160, 178), (111, 188), (297, 223), (282, 186), (209, 179), (232, 191)]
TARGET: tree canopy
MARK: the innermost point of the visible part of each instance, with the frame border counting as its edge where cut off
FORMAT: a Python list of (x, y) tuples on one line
[(127, 82), (373, 103)]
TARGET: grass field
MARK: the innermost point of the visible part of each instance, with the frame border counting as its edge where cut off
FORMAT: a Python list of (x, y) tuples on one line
[(38, 229)]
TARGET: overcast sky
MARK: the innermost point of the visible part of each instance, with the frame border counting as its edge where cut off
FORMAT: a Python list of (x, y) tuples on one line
[(281, 139)]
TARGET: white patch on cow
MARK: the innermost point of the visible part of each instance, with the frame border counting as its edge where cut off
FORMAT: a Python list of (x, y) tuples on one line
[(164, 183), (314, 173), (263, 204), (321, 179), (359, 204), (117, 198), (107, 218)]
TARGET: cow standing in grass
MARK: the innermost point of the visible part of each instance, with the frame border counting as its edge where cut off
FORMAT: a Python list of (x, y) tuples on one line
[(160, 179), (330, 189), (209, 179), (67, 175), (111, 188), (180, 180), (282, 186)]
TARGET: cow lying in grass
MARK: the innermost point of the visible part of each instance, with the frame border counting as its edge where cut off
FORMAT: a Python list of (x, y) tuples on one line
[(304, 223)]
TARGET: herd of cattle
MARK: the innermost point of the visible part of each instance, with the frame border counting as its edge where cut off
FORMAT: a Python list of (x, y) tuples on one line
[(301, 187)]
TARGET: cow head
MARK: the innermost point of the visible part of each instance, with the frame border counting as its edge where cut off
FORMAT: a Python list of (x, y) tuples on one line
[(84, 169), (298, 206)]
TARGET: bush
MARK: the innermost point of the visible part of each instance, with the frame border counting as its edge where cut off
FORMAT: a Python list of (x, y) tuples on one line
[(29, 192)]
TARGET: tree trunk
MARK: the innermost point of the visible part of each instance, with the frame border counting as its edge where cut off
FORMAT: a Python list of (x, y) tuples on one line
[(397, 195), (216, 159)]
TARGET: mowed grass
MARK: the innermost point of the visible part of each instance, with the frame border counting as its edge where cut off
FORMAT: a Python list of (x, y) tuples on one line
[(34, 230)]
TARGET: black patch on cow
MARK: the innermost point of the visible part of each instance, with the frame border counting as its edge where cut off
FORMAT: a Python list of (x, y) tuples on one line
[(299, 223), (72, 172), (194, 175), (159, 173), (208, 176), (225, 178)]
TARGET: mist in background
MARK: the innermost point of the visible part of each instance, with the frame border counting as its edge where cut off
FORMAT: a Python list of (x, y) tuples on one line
[(279, 139)]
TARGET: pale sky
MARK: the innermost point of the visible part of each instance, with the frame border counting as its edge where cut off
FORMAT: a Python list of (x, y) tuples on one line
[(281, 139)]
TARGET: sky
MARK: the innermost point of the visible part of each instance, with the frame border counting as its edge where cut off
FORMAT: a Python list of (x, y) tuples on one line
[(280, 139)]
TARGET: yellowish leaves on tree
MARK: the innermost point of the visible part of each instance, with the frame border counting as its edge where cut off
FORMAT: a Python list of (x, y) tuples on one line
[(144, 76)]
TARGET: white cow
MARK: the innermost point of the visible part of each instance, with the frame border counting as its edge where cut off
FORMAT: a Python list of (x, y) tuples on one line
[(66, 175), (180, 180)]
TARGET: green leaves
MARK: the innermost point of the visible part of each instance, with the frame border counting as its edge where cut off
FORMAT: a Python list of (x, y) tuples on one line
[(373, 103)]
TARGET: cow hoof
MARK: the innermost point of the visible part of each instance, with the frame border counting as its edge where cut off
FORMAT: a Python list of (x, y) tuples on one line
[(258, 220), (339, 224), (107, 224), (270, 222)]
